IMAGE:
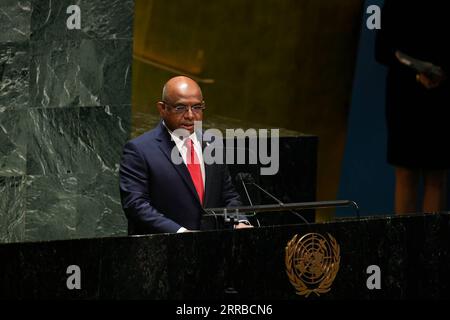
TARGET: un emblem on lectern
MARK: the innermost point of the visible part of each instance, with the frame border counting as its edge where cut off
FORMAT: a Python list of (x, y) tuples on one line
[(312, 263)]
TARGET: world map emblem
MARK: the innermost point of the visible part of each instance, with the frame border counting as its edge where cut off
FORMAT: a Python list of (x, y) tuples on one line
[(312, 262)]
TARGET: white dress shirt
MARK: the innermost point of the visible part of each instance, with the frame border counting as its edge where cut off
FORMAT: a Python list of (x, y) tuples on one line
[(182, 148)]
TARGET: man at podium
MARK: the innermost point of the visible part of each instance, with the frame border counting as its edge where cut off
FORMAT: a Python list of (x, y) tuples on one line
[(159, 195)]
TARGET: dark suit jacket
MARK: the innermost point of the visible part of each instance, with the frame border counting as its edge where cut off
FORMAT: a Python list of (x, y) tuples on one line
[(159, 196)]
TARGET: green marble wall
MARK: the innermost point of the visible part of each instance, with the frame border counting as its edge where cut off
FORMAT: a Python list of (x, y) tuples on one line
[(65, 98)]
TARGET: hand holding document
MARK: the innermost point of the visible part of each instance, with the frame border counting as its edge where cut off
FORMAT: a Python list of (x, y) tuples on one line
[(428, 74)]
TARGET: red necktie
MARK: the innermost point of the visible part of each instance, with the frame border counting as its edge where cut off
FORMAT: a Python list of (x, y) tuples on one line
[(193, 165)]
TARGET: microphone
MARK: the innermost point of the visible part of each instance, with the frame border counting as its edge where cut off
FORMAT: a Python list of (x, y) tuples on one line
[(248, 178), (240, 176)]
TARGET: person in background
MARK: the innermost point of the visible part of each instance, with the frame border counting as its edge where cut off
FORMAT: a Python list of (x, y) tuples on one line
[(417, 103)]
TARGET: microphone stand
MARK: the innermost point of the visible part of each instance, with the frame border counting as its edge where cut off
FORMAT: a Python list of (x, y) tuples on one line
[(248, 197), (306, 205), (282, 207), (280, 203)]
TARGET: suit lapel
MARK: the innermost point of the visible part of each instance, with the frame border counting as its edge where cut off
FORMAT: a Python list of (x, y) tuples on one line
[(166, 145)]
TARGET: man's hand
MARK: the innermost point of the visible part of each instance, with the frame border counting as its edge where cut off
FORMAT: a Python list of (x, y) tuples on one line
[(242, 225), (184, 230), (431, 81)]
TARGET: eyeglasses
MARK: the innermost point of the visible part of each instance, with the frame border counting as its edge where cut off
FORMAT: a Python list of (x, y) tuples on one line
[(181, 108)]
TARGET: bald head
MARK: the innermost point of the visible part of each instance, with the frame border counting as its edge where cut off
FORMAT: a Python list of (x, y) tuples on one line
[(181, 86)]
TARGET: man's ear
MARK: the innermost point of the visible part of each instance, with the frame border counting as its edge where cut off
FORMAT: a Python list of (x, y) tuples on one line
[(161, 107)]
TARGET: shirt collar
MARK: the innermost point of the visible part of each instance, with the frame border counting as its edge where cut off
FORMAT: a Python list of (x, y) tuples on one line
[(180, 142)]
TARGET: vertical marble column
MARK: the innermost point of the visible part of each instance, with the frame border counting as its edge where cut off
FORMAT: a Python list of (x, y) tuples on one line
[(14, 86), (66, 114)]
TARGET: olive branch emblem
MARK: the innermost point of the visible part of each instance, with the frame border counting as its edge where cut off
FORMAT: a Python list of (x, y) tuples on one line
[(312, 263)]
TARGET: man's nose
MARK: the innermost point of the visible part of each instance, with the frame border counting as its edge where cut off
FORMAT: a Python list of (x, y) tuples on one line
[(189, 114)]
